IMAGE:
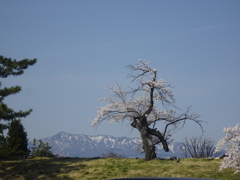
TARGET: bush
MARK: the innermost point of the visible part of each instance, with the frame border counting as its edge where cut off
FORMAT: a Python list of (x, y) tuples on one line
[(198, 147), (110, 154), (42, 150)]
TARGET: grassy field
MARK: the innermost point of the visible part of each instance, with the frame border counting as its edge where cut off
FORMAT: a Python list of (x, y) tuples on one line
[(101, 169)]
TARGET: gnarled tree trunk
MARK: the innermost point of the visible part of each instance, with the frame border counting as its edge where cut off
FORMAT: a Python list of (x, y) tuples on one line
[(148, 146), (125, 105), (140, 123)]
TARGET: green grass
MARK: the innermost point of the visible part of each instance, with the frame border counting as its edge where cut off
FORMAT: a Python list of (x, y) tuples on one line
[(101, 169)]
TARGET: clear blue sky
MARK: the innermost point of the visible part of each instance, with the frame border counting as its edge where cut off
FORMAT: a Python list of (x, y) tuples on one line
[(83, 45)]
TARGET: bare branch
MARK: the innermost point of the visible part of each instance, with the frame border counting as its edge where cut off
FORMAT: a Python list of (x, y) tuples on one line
[(198, 147), (139, 106)]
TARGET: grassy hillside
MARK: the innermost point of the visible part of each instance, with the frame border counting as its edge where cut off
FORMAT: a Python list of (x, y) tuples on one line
[(101, 169)]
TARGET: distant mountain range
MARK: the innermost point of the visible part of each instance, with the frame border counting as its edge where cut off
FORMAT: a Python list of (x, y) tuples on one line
[(80, 145)]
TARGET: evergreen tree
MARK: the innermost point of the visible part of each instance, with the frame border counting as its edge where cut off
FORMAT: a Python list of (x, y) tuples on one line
[(34, 148), (17, 142), (2, 139), (10, 67), (42, 150)]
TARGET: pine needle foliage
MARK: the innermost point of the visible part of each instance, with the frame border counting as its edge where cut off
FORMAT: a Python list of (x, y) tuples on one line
[(41, 149), (10, 67), (17, 142)]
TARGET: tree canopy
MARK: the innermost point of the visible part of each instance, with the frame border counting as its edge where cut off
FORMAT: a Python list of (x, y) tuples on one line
[(8, 116), (41, 149), (17, 142), (139, 105), (12, 67), (232, 139)]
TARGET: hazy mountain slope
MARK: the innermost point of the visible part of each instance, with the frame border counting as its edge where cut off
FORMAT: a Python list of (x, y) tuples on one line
[(80, 145)]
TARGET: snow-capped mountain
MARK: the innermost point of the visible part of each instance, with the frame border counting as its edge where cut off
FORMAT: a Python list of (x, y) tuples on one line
[(80, 145)]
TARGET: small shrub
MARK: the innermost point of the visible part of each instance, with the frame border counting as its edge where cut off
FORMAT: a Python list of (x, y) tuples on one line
[(110, 154), (198, 147), (42, 150)]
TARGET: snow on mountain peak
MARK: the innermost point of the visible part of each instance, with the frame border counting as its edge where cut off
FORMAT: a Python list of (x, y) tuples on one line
[(80, 145)]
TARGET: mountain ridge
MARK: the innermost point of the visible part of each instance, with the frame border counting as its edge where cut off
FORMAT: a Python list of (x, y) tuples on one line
[(80, 145)]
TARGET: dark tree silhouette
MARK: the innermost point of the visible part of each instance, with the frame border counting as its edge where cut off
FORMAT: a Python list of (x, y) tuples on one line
[(41, 149), (10, 67), (17, 142)]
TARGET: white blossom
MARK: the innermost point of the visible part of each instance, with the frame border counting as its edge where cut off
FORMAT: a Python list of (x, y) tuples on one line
[(232, 139), (125, 105), (142, 102)]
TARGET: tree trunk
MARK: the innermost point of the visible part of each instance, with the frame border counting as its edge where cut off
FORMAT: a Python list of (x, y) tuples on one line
[(140, 123), (148, 146)]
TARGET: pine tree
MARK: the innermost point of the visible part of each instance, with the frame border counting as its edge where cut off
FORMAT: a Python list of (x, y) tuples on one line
[(34, 148), (10, 67), (42, 150), (17, 142)]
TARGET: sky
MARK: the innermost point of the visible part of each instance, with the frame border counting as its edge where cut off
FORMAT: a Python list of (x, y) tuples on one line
[(82, 46)]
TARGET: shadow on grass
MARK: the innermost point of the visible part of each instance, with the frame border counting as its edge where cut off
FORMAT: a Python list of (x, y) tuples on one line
[(40, 168)]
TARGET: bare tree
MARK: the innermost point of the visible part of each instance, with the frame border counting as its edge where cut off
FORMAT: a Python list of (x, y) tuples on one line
[(198, 147), (139, 106)]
